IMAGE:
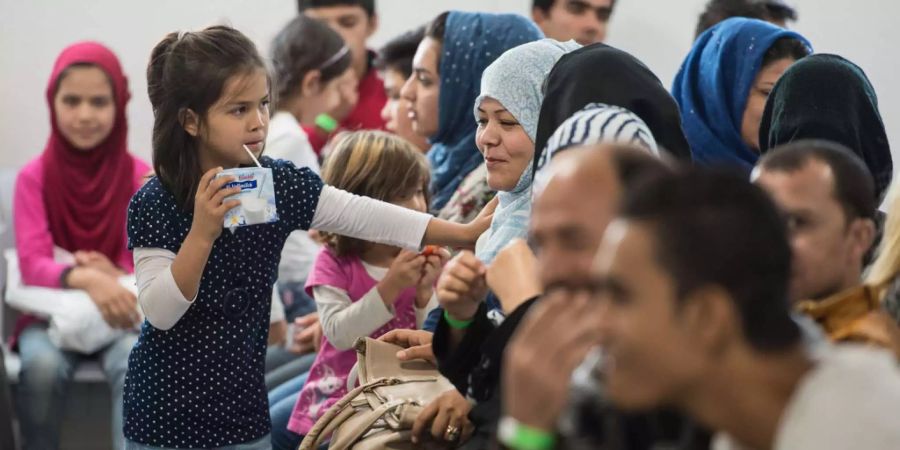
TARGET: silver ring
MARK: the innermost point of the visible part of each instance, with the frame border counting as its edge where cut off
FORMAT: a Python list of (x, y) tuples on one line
[(452, 433)]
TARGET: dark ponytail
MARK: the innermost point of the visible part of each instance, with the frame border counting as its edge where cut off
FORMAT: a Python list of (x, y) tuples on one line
[(155, 68), (188, 71)]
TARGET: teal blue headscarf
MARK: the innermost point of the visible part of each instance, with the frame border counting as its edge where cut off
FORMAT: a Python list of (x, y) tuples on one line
[(472, 41)]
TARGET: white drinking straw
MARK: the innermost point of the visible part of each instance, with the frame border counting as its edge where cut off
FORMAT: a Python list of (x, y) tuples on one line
[(263, 182), (251, 156)]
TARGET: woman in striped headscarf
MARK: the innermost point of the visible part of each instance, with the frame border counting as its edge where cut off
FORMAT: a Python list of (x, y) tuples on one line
[(597, 123)]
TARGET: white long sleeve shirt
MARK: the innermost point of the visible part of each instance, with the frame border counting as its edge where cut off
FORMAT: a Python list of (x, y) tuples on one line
[(337, 211), (343, 321)]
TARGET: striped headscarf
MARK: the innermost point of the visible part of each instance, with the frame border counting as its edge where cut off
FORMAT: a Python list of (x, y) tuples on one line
[(597, 123)]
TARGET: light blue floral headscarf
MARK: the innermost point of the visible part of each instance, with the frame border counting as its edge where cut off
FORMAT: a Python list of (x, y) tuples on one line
[(516, 80)]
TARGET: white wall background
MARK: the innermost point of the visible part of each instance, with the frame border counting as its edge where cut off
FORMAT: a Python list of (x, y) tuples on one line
[(659, 32)]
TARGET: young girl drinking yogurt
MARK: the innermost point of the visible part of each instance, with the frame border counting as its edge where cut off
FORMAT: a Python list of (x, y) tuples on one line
[(196, 374)]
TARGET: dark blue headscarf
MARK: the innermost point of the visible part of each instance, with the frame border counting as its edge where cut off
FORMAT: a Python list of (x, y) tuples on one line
[(712, 86), (472, 41)]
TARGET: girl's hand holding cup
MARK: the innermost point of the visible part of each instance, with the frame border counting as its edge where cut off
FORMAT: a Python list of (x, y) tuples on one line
[(210, 205)]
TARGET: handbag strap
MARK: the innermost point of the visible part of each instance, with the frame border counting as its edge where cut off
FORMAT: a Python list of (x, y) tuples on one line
[(314, 437), (328, 422), (341, 411), (363, 423)]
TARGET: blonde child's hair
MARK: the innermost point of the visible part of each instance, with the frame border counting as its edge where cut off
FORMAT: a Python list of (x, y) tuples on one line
[(375, 164), (887, 261)]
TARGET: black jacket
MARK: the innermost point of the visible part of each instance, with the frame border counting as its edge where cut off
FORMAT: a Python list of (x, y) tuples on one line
[(475, 368)]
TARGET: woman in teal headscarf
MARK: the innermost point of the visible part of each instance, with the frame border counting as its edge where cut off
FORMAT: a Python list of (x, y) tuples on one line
[(723, 84), (446, 78)]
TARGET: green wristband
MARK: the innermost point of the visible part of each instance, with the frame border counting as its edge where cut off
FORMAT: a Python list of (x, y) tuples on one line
[(457, 324), (519, 436), (326, 122)]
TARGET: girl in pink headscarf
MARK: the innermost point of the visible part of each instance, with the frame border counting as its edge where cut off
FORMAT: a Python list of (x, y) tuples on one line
[(75, 196)]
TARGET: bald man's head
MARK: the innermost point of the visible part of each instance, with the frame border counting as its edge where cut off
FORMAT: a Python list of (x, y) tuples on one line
[(570, 215)]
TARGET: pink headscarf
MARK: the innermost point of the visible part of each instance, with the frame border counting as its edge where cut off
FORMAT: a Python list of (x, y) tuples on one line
[(86, 193)]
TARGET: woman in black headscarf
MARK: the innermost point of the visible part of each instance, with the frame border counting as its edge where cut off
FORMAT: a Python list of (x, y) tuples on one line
[(599, 73), (827, 97)]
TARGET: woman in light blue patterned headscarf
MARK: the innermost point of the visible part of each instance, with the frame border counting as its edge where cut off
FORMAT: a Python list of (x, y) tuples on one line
[(512, 86)]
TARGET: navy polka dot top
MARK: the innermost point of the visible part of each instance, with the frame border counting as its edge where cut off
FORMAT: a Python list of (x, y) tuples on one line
[(201, 384)]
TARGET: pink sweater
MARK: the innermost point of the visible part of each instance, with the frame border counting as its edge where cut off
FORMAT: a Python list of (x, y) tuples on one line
[(34, 242)]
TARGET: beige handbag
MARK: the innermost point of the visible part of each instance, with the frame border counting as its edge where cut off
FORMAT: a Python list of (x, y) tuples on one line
[(379, 413)]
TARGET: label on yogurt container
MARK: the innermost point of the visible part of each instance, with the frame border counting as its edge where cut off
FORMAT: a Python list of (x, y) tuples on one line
[(257, 197)]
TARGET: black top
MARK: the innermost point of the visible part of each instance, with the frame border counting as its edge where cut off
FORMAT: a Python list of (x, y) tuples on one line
[(475, 368)]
